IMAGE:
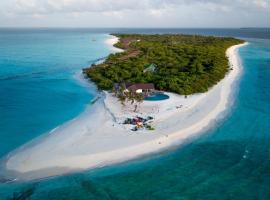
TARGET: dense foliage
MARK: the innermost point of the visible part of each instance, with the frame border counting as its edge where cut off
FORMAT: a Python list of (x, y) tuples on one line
[(185, 64)]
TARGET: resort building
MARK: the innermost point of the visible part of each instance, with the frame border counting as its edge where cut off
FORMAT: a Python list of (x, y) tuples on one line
[(141, 88), (145, 88)]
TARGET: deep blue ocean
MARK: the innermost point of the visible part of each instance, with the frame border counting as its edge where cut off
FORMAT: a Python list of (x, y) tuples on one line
[(41, 87)]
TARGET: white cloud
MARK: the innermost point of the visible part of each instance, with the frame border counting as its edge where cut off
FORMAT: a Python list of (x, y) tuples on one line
[(134, 12), (52, 6), (261, 3), (154, 6)]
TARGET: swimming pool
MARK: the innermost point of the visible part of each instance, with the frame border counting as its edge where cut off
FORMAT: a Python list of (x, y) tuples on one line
[(157, 97)]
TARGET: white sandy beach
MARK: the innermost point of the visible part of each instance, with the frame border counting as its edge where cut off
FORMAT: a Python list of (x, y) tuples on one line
[(97, 138), (112, 40)]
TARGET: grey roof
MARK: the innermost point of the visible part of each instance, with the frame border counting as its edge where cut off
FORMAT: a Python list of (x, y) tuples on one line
[(151, 68)]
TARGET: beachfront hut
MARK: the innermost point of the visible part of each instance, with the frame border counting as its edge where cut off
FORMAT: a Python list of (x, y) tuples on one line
[(144, 88), (139, 88)]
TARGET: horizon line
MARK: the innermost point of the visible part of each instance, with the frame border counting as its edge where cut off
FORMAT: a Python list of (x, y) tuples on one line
[(66, 27)]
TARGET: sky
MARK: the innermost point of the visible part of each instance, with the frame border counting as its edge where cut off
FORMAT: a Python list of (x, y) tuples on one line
[(135, 13)]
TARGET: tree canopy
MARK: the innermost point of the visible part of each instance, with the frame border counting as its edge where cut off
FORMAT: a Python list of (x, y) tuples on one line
[(185, 64)]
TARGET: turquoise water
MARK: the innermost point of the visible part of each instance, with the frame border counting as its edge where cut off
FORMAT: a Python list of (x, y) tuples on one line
[(231, 161), (157, 97), (40, 85)]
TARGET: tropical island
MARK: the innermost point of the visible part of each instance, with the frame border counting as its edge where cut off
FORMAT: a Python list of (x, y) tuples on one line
[(178, 69), (183, 64)]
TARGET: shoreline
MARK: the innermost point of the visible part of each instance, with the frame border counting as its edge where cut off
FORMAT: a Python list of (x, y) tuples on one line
[(94, 139), (111, 41)]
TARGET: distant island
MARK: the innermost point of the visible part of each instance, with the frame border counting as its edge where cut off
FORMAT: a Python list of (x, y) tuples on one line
[(183, 64)]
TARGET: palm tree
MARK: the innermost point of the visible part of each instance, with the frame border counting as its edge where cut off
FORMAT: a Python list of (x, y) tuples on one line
[(132, 97), (139, 99), (136, 98)]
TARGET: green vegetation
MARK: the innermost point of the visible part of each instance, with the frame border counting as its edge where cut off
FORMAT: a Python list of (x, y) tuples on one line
[(185, 64)]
